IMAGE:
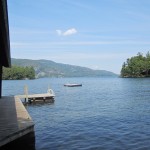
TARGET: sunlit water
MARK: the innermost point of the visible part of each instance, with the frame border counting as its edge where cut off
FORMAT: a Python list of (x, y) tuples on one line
[(103, 114)]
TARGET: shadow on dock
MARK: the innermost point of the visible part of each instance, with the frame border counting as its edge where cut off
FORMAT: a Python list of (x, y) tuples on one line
[(27, 142), (38, 102), (15, 124)]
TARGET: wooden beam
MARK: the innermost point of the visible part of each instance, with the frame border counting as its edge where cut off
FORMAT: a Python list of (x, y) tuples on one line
[(4, 35), (4, 40), (0, 80)]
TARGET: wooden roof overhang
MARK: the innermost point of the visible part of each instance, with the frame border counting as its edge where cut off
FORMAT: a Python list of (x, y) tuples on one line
[(4, 39), (4, 35)]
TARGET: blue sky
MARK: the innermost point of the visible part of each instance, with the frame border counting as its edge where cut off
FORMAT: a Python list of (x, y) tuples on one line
[(99, 34)]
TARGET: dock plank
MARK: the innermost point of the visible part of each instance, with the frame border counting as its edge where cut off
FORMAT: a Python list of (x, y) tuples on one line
[(36, 95)]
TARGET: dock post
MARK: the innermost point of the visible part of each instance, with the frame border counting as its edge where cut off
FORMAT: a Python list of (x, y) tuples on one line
[(26, 93)]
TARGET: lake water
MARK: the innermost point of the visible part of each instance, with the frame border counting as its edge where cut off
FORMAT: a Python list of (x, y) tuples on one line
[(103, 114)]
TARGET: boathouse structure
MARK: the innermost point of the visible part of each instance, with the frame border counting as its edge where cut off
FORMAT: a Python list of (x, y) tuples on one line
[(15, 122), (4, 40)]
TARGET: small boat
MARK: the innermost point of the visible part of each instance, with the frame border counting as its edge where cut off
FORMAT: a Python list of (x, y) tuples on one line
[(72, 85)]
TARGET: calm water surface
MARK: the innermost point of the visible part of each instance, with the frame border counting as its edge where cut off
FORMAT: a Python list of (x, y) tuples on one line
[(103, 114)]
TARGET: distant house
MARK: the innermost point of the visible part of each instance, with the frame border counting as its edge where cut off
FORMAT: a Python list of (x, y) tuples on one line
[(4, 39)]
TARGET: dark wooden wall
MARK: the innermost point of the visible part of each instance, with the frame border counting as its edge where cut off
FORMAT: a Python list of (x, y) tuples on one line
[(4, 39), (0, 81)]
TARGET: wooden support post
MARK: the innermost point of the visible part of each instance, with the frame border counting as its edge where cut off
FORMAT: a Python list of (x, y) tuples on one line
[(26, 93), (0, 80)]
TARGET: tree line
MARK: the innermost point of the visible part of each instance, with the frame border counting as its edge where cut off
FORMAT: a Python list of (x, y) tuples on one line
[(18, 73), (137, 66)]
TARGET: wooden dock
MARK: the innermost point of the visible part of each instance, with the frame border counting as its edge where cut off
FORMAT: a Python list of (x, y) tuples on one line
[(45, 97), (15, 122), (32, 98)]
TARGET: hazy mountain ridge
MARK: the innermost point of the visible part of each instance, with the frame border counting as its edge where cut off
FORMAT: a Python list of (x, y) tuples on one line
[(48, 68)]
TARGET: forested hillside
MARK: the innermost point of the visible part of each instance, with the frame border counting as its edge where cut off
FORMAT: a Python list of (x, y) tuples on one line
[(48, 68)]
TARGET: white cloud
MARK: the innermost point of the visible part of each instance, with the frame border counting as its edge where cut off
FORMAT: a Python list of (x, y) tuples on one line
[(67, 32), (70, 32)]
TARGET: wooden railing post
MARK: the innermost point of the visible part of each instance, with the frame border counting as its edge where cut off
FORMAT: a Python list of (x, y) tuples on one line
[(26, 93)]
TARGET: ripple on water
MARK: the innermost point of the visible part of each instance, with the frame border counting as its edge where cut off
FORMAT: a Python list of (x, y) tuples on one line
[(103, 114)]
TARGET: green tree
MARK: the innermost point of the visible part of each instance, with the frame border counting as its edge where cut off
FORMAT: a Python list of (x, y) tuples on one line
[(137, 66), (18, 73)]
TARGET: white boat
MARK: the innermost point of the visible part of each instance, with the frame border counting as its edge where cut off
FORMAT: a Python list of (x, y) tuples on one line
[(72, 85)]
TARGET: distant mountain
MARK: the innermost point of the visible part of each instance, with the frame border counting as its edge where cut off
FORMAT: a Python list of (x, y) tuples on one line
[(48, 68)]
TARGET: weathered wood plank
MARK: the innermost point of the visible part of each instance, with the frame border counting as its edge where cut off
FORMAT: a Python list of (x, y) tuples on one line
[(36, 95)]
